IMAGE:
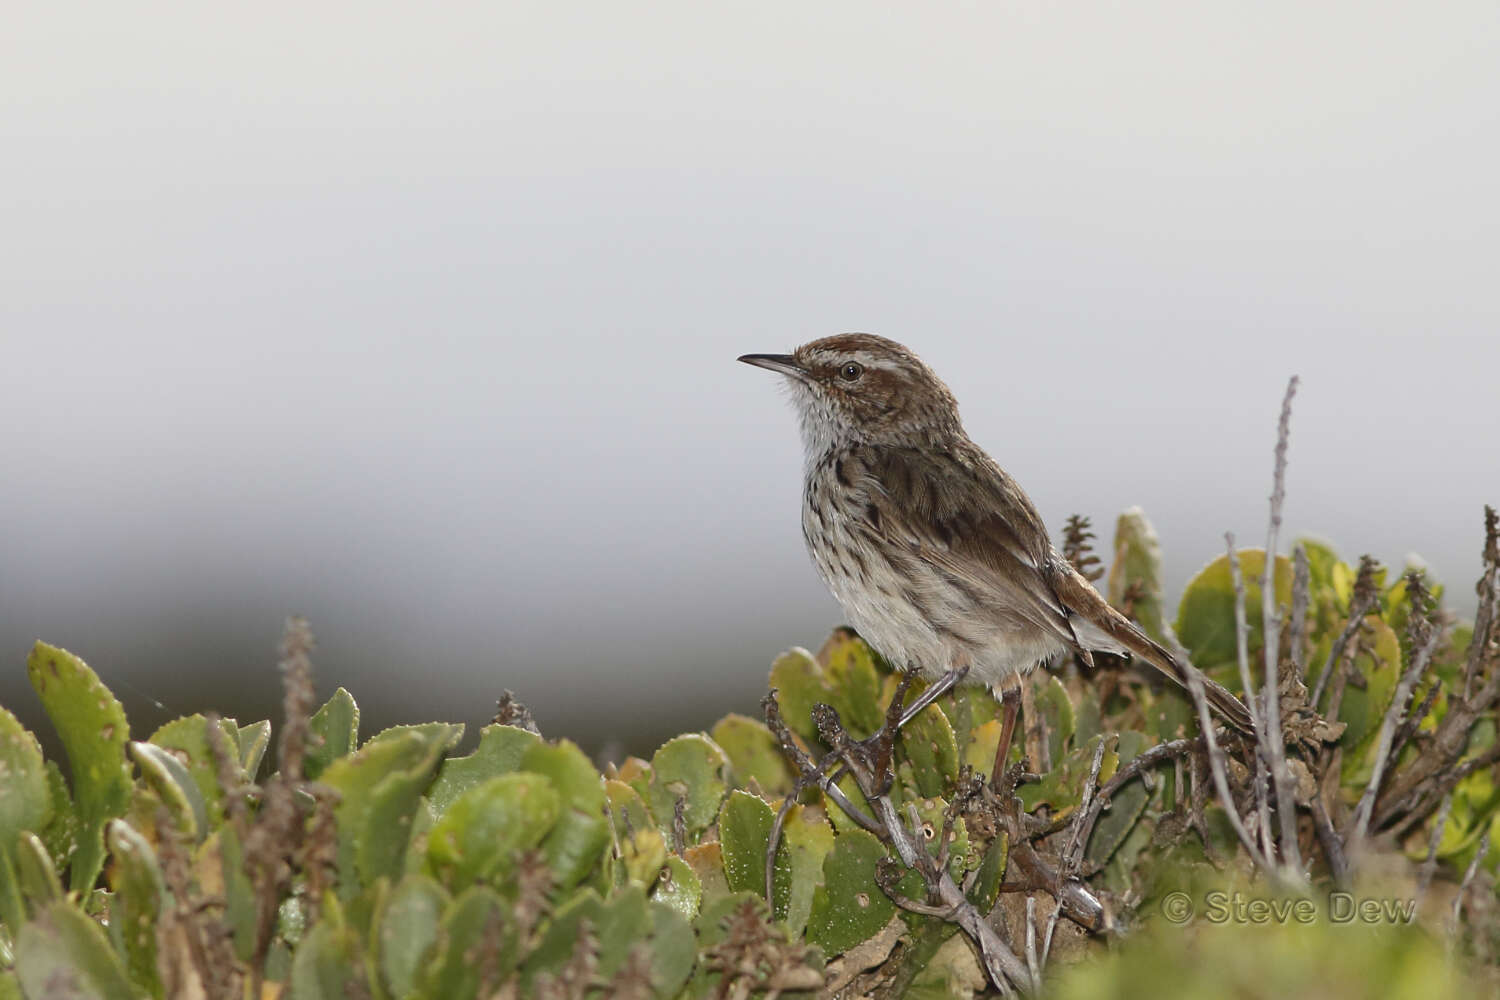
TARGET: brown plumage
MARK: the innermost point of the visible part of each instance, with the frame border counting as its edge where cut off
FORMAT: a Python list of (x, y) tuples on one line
[(937, 556)]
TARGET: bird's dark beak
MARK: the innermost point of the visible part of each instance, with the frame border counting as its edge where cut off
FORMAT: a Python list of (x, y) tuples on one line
[(782, 364)]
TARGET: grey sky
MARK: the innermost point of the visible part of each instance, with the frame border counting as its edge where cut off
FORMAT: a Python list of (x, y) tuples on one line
[(422, 322)]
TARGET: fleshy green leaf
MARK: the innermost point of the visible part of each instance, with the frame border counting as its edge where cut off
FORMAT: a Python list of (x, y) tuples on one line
[(476, 936), (169, 777), (408, 927), (27, 802), (334, 732), (187, 740), (478, 837), (753, 753), (1056, 709), (1379, 663), (327, 962), (1135, 574), (499, 752), (379, 787), (806, 840), (581, 833), (64, 955), (1205, 615), (678, 887), (932, 750), (253, 741), (1125, 807), (853, 683), (849, 907), (744, 830), (798, 682), (690, 768), (94, 732), (135, 878)]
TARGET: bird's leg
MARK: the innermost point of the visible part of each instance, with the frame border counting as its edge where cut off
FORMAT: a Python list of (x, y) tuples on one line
[(934, 691), (1010, 704), (879, 748)]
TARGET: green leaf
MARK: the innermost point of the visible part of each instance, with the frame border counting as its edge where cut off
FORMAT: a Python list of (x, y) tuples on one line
[(64, 955), (626, 808), (1362, 711), (136, 879), (932, 750), (1125, 807), (408, 927), (187, 740), (853, 683), (333, 732), (499, 752), (842, 821), (94, 732), (478, 837), (806, 839), (27, 802), (984, 743), (253, 741), (616, 925), (1062, 787), (849, 907), (986, 888), (168, 776), (1056, 709), (581, 833), (379, 787), (691, 768), (1135, 575), (753, 754), (476, 945), (239, 894), (744, 831), (798, 682), (1205, 615), (674, 949), (644, 852), (327, 963), (35, 875), (678, 887)]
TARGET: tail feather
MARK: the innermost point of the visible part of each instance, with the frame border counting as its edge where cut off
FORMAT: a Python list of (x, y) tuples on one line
[(1101, 628)]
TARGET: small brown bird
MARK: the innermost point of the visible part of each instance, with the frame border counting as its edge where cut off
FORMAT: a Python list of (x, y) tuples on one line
[(938, 557)]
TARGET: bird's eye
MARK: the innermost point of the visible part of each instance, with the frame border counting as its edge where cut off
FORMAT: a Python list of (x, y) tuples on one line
[(851, 372)]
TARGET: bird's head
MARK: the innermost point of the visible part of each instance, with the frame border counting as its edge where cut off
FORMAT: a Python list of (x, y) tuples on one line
[(859, 388)]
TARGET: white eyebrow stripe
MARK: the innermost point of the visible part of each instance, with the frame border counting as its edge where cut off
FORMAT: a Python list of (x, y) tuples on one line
[(864, 358)]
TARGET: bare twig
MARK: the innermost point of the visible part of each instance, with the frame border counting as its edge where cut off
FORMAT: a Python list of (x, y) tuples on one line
[(1077, 838), (1429, 866), (1333, 847), (1032, 964), (1363, 601), (1257, 723), (1219, 770), (1419, 660), (1417, 803), (1301, 597), (1271, 740), (1001, 964), (1463, 887)]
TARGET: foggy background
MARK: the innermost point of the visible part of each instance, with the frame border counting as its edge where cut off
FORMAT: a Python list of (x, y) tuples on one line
[(422, 322)]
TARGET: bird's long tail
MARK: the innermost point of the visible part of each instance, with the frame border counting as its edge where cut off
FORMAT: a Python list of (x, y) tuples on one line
[(1101, 628)]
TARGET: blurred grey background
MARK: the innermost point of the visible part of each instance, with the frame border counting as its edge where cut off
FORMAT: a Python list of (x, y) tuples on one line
[(422, 322)]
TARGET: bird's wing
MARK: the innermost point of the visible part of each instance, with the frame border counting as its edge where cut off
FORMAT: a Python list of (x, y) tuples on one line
[(959, 513)]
